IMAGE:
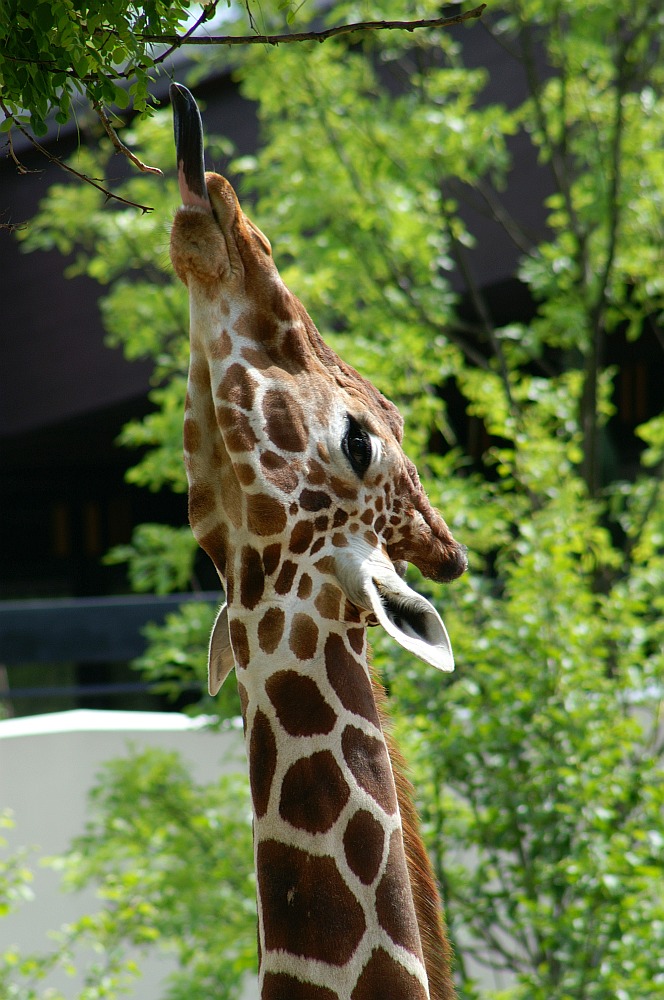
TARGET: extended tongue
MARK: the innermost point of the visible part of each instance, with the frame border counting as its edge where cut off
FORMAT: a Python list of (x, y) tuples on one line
[(188, 130)]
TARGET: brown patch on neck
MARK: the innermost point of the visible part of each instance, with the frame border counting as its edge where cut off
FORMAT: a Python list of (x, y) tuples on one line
[(428, 905)]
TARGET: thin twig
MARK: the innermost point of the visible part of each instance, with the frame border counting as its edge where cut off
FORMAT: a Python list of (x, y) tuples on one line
[(22, 169), (314, 36), (109, 195), (119, 144), (208, 11), (499, 213)]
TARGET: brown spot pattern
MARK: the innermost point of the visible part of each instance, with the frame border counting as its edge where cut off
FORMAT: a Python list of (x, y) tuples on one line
[(239, 642), (349, 680), (301, 537), (191, 435), (367, 759), (279, 986), (364, 840), (215, 543), (244, 702), (314, 500), (252, 580), (303, 637), (279, 471), (256, 323), (328, 602), (222, 347), (343, 490), (262, 761), (304, 587), (356, 639), (199, 375), (313, 793), (237, 387), (257, 357), (300, 707), (271, 629), (393, 900), (382, 969), (284, 421), (271, 557), (294, 886), (265, 515), (202, 502), (238, 432), (316, 473), (352, 613), (244, 473), (230, 494), (284, 581)]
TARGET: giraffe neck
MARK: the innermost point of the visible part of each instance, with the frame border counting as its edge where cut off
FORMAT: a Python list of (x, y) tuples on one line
[(335, 903)]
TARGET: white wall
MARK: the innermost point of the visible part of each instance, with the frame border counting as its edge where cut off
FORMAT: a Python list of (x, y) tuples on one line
[(48, 763)]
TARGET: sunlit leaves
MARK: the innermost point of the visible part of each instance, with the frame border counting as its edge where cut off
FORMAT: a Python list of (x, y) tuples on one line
[(159, 558), (538, 762), (50, 52)]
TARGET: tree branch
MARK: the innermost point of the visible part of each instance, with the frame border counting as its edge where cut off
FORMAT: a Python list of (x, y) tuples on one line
[(175, 42), (314, 36), (119, 144), (64, 166), (208, 11)]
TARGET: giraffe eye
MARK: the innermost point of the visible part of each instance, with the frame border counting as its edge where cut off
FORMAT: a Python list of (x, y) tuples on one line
[(357, 447)]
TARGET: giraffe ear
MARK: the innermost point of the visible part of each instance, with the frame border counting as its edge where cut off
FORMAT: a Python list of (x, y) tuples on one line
[(220, 656), (372, 582)]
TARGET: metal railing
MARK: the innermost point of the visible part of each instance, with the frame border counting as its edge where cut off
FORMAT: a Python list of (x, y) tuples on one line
[(90, 630)]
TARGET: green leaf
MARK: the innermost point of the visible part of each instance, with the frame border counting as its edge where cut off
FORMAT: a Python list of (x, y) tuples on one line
[(121, 98)]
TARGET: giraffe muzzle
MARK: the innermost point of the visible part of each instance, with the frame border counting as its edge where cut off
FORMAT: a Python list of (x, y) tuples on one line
[(371, 581), (188, 129)]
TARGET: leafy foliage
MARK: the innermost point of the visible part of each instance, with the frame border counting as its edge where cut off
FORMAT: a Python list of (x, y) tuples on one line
[(15, 875), (51, 51), (539, 763), (154, 835)]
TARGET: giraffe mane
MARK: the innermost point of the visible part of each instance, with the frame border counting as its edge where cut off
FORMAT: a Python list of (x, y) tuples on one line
[(428, 905)]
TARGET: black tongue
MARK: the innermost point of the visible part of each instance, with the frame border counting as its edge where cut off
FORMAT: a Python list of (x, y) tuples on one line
[(188, 130)]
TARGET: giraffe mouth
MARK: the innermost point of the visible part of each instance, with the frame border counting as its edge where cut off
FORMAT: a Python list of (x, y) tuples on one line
[(372, 582), (412, 621), (405, 614), (188, 130)]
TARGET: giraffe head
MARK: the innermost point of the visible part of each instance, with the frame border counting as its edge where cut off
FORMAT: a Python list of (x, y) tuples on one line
[(291, 454)]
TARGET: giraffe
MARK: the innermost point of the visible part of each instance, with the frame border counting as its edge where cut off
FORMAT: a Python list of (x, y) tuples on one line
[(301, 495)]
